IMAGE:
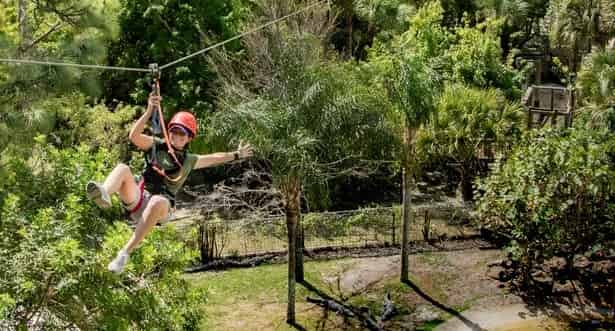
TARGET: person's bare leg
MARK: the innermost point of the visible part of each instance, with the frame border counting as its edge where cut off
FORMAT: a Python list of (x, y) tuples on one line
[(122, 182), (157, 209)]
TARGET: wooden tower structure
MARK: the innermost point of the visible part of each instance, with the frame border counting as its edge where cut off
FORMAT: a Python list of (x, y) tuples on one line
[(549, 104)]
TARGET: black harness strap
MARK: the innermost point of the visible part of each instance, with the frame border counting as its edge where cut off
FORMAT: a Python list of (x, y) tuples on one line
[(157, 124)]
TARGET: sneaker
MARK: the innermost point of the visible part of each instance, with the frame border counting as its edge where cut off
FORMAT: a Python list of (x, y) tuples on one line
[(98, 194), (117, 265)]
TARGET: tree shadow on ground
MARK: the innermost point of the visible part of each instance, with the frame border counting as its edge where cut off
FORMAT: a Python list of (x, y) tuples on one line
[(297, 326), (473, 326)]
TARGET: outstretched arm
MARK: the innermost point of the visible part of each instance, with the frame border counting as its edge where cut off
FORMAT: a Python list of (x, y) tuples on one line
[(143, 141), (210, 160)]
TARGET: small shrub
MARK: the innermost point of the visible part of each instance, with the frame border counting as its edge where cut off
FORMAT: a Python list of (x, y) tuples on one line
[(554, 195)]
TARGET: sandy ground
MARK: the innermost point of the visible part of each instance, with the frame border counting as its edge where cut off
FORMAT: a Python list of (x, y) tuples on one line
[(501, 318), (457, 276), (456, 279)]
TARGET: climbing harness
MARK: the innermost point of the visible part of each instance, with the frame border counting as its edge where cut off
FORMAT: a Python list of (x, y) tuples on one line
[(158, 127)]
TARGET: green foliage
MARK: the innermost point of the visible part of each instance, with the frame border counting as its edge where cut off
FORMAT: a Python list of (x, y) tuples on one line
[(67, 121), (476, 58), (54, 246), (314, 120), (66, 30), (385, 17), (521, 21), (554, 195), (406, 67), (577, 25), (425, 37), (468, 118), (467, 121), (456, 11), (595, 86), (161, 32), (412, 91), (596, 79), (332, 117), (32, 96)]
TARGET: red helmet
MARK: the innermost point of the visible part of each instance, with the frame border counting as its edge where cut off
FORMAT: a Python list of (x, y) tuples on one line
[(184, 119)]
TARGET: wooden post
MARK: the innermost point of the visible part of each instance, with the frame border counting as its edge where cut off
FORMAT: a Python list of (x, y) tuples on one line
[(570, 106), (539, 71), (527, 105), (393, 225), (554, 112), (406, 216)]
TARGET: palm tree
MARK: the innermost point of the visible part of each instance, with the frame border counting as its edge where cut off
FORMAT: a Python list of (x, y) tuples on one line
[(412, 94), (320, 123), (468, 120), (596, 86), (407, 70), (311, 118)]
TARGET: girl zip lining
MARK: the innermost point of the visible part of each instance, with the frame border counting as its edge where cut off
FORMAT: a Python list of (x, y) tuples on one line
[(151, 198)]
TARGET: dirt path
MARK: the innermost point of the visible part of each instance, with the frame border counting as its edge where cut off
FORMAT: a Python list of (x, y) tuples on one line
[(457, 280), (456, 276), (369, 271), (516, 317)]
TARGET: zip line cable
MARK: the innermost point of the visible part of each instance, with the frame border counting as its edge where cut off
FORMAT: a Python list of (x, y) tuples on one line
[(102, 67), (68, 64), (242, 35)]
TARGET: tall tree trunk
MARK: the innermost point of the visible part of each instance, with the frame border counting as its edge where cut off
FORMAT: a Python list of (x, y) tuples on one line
[(300, 246), (467, 191), (407, 212), (349, 26), (22, 19), (203, 247), (291, 190)]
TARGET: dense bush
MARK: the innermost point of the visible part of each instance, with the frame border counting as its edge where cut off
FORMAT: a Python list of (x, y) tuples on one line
[(596, 90), (54, 247), (554, 195)]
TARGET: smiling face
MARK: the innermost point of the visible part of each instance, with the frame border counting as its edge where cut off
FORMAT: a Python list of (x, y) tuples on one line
[(179, 137)]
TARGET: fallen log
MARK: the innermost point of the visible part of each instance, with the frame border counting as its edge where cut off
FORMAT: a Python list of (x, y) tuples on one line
[(342, 309), (388, 309), (332, 305), (225, 264)]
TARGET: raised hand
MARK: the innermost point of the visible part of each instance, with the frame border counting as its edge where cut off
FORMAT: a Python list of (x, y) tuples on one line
[(245, 150), (153, 102)]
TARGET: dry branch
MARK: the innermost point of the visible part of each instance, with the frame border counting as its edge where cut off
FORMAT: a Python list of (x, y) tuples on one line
[(330, 304), (388, 308)]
